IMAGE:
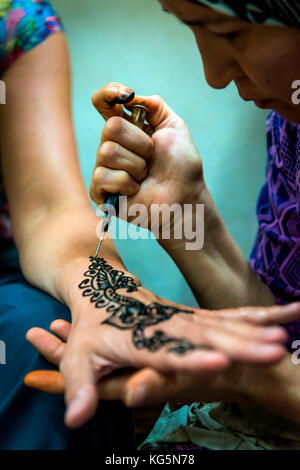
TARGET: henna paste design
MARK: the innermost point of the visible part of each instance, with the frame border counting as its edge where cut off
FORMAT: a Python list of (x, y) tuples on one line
[(101, 284)]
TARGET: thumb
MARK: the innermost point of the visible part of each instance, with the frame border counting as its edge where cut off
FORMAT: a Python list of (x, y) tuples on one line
[(160, 114), (148, 385), (81, 394)]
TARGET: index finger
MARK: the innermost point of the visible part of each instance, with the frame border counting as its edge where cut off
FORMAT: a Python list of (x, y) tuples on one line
[(110, 98), (51, 347), (109, 101)]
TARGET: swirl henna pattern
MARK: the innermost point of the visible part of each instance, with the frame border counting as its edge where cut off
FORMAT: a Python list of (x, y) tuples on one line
[(101, 284)]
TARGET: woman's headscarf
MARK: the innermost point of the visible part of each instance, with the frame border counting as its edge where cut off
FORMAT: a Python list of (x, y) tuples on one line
[(273, 12)]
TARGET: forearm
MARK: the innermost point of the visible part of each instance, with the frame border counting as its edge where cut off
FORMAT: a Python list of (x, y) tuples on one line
[(276, 389), (219, 274), (58, 245)]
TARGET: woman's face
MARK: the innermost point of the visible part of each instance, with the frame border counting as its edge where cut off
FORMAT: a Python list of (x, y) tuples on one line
[(263, 61)]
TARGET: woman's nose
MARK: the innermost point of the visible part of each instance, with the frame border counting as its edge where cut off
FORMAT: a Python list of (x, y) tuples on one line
[(219, 60)]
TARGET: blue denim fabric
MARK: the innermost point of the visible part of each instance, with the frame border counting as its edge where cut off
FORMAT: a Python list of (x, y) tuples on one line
[(30, 419)]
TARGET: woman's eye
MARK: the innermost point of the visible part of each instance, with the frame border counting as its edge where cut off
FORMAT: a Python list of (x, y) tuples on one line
[(232, 35)]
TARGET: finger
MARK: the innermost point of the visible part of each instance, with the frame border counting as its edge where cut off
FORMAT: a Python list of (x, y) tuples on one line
[(236, 346), (113, 181), (109, 388), (128, 136), (51, 347), (160, 114), (61, 328), (224, 344), (195, 361), (80, 388), (244, 329), (266, 316), (109, 99), (114, 156), (148, 387), (49, 381)]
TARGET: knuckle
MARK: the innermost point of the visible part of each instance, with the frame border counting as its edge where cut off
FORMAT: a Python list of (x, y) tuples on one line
[(157, 99), (97, 182), (106, 152), (114, 127), (126, 184), (123, 178), (99, 175)]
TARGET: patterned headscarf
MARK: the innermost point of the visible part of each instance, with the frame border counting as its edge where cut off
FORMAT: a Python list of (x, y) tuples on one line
[(273, 12)]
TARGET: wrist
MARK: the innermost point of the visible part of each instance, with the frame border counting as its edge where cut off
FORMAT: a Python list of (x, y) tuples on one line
[(199, 218), (274, 388), (82, 273), (71, 272)]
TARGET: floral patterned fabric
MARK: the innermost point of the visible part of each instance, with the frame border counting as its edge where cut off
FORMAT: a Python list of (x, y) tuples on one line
[(23, 25)]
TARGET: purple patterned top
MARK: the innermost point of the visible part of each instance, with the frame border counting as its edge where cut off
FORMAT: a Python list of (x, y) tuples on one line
[(276, 253)]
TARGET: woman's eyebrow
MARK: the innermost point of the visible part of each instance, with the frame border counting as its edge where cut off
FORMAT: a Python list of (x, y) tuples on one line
[(211, 22), (193, 23)]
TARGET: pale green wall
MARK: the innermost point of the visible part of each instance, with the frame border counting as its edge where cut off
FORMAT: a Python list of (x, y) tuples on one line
[(134, 42)]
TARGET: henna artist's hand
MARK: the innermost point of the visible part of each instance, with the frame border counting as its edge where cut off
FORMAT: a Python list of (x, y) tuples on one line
[(162, 169)]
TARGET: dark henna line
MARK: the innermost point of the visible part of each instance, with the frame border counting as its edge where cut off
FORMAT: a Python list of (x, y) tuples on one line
[(101, 284), (121, 99), (158, 340)]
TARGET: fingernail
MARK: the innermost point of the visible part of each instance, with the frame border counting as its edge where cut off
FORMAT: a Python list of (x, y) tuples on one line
[(124, 98), (269, 350), (138, 396), (292, 306), (127, 96), (274, 333), (135, 397), (78, 403), (127, 396)]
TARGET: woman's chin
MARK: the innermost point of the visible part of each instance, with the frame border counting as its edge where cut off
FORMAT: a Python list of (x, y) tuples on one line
[(289, 112), (264, 104)]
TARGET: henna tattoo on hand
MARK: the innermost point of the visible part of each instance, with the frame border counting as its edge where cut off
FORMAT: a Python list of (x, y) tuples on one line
[(101, 284)]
